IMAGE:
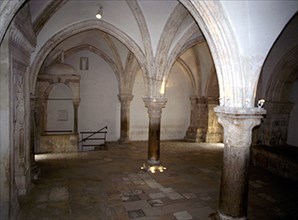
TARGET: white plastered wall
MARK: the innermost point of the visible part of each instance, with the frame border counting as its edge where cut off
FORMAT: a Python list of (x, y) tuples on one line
[(60, 112), (175, 115), (99, 104), (139, 120)]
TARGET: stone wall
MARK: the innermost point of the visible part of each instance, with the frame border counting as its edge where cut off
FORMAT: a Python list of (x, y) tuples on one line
[(15, 114), (274, 129), (58, 143)]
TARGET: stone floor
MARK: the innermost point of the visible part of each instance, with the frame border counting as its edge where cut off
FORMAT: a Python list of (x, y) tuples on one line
[(109, 185)]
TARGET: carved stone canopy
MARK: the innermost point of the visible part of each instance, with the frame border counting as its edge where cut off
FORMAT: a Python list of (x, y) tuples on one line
[(61, 68)]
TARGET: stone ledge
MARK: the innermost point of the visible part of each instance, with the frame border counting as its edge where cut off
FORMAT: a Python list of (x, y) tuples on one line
[(239, 111)]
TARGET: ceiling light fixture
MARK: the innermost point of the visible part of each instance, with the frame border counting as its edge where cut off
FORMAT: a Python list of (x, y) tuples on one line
[(99, 13)]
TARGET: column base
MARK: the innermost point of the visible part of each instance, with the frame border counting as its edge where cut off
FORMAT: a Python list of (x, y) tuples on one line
[(153, 168), (219, 216), (124, 141)]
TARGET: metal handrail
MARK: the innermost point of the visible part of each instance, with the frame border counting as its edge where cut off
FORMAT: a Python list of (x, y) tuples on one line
[(93, 133)]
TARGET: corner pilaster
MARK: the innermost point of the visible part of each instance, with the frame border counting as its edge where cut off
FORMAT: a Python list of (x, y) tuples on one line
[(202, 119), (191, 132)]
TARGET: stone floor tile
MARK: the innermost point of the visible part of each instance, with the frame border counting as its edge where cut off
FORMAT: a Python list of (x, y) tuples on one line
[(58, 194), (166, 190), (155, 202), (153, 212), (189, 195), (267, 197), (261, 182), (182, 215), (144, 175), (141, 204), (174, 196), (117, 210), (130, 198), (206, 170), (202, 212), (174, 207), (153, 184), (156, 195), (108, 159), (136, 213), (255, 184), (126, 180), (41, 198), (89, 185), (136, 179)]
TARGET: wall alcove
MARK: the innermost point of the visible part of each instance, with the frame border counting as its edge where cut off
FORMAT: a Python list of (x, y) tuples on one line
[(57, 109)]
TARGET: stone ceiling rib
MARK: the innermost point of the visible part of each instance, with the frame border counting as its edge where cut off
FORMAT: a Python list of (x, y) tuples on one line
[(167, 37), (184, 44), (114, 50), (224, 47), (94, 50), (77, 28), (189, 73), (46, 14), (137, 12), (131, 66), (7, 11)]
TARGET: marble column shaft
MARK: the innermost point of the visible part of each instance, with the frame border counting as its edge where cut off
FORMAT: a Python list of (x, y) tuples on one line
[(76, 103), (238, 125), (154, 106), (125, 100)]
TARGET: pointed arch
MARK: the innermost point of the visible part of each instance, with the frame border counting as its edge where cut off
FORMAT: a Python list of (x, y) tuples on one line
[(75, 29)]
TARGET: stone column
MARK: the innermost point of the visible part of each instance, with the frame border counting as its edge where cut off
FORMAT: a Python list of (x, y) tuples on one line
[(154, 106), (238, 124), (125, 100), (202, 119), (191, 132), (76, 103)]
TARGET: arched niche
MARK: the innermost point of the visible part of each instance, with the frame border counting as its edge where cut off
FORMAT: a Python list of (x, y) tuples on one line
[(60, 111), (58, 98)]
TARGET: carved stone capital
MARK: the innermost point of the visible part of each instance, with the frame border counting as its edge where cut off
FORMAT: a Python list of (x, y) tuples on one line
[(76, 102), (238, 124), (202, 100), (193, 99), (154, 106), (125, 100)]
